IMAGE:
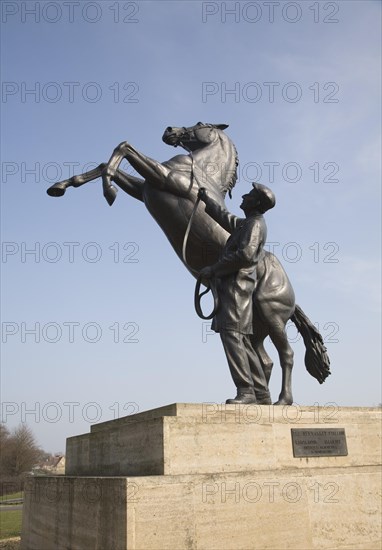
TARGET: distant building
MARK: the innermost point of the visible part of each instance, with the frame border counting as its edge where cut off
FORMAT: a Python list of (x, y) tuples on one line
[(53, 465)]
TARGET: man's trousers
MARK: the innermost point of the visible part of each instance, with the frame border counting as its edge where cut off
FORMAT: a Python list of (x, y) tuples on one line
[(244, 364)]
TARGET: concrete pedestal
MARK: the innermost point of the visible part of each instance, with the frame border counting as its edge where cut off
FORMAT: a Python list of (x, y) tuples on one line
[(211, 477)]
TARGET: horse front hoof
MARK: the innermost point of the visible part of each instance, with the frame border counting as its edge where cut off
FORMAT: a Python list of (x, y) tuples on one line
[(284, 401), (57, 190), (110, 194)]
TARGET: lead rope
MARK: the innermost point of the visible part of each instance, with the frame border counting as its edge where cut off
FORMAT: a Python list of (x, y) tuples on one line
[(211, 285)]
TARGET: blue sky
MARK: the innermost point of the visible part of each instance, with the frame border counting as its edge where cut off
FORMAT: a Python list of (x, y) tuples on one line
[(104, 72)]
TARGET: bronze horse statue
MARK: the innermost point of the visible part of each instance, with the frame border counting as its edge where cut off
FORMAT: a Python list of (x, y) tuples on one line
[(169, 190)]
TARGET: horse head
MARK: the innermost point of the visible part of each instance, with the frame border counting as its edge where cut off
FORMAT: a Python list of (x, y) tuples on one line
[(193, 137), (211, 149)]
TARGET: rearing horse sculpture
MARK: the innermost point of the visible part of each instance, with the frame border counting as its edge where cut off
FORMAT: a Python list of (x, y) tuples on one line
[(169, 191)]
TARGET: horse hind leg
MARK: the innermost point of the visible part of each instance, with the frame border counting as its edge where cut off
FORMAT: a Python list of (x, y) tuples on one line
[(260, 333), (279, 338)]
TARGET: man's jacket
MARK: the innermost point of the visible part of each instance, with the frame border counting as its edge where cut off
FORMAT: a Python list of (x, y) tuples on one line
[(236, 269)]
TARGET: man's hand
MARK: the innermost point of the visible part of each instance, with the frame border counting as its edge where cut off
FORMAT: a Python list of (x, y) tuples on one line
[(207, 272), (203, 194)]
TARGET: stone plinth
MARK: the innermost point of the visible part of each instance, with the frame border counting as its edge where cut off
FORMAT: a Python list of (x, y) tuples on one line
[(209, 477), (209, 438)]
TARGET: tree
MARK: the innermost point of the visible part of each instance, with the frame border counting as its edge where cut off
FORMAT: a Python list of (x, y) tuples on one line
[(4, 449), (19, 452)]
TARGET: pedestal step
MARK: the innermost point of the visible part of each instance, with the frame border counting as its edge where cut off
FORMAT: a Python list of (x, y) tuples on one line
[(336, 508), (210, 438)]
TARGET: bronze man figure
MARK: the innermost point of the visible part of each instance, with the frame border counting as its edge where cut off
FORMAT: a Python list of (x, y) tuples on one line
[(236, 277), (169, 190)]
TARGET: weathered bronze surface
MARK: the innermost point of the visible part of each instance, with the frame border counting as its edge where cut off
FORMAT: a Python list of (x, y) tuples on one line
[(170, 192)]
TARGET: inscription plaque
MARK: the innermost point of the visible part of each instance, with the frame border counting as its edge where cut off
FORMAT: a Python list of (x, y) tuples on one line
[(319, 442)]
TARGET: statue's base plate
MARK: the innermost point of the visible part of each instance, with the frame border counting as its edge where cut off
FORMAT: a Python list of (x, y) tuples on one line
[(330, 502)]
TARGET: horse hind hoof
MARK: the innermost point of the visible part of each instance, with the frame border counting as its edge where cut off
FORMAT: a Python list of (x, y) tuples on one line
[(57, 190)]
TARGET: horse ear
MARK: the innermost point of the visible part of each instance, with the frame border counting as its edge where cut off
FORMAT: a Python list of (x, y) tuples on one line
[(221, 126)]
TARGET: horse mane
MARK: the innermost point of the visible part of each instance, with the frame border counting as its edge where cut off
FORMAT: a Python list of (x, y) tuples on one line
[(233, 179), (231, 182)]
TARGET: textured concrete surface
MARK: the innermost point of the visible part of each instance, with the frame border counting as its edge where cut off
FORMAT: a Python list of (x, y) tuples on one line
[(210, 438), (271, 501)]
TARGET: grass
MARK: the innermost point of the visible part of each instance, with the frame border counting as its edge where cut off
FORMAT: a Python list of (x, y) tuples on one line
[(10, 523)]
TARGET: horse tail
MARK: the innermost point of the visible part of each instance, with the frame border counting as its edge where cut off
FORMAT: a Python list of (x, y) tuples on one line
[(316, 359)]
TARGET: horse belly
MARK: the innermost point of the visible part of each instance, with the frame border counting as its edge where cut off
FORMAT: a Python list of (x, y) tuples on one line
[(172, 213)]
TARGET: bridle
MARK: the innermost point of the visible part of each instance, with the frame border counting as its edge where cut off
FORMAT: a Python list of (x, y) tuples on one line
[(211, 284)]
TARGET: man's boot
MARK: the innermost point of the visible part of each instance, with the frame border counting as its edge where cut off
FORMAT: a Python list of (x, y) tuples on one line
[(263, 398), (244, 397)]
